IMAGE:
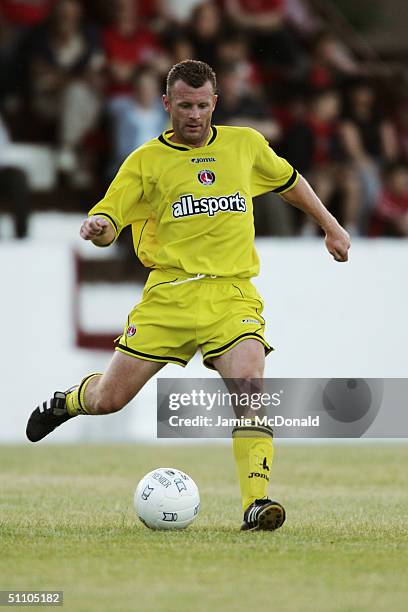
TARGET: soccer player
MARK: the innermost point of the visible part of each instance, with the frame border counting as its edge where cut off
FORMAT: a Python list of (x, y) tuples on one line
[(188, 197)]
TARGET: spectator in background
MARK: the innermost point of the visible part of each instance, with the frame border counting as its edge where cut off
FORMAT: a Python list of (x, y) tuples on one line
[(24, 13), (128, 44), (64, 69), (233, 50), (274, 44), (206, 31), (17, 19), (391, 213), (9, 42), (136, 118), (13, 187), (331, 62), (103, 12), (302, 18), (401, 126), (180, 48), (176, 13), (370, 141), (314, 146), (240, 107)]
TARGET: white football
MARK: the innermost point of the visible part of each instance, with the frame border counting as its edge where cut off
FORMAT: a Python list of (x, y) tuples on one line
[(167, 498)]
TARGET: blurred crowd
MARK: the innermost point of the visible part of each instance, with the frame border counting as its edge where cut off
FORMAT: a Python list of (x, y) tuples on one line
[(86, 78)]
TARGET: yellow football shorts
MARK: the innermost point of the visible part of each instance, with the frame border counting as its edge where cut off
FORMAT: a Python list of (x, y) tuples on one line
[(178, 314)]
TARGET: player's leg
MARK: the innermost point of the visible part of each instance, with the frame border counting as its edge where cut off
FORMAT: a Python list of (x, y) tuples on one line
[(111, 391), (96, 394), (242, 367), (145, 346)]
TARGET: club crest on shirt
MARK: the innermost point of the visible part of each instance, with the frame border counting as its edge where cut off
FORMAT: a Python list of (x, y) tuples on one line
[(131, 330), (206, 177)]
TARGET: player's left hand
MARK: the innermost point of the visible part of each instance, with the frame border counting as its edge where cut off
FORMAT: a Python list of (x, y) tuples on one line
[(338, 242)]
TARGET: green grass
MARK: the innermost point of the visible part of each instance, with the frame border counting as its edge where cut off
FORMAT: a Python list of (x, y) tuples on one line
[(67, 522)]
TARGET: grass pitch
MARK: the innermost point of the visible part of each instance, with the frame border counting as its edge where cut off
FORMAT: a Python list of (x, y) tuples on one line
[(67, 523)]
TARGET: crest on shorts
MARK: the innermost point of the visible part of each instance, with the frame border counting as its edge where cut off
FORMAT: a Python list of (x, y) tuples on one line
[(206, 177), (131, 330)]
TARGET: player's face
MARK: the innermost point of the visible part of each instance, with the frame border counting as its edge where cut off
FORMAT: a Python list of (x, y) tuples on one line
[(190, 110)]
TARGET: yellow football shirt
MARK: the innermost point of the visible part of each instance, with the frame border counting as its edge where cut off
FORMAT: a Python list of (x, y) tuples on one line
[(191, 208)]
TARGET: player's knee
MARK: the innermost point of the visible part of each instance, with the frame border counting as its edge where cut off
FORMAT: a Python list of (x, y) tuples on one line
[(248, 380), (108, 405), (251, 376)]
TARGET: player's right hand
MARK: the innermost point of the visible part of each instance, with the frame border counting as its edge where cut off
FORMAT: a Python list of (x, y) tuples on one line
[(338, 242), (93, 227)]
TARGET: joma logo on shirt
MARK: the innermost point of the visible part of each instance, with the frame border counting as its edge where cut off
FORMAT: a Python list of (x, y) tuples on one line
[(188, 206), (199, 160)]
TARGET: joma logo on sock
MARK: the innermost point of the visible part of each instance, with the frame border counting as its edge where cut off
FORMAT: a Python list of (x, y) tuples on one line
[(258, 475)]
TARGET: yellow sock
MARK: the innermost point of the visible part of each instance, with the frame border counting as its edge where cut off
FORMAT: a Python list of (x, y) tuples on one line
[(253, 452), (75, 398)]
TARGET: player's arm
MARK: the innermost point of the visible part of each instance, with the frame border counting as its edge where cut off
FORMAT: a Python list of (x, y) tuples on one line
[(303, 197), (273, 173), (121, 205), (99, 230)]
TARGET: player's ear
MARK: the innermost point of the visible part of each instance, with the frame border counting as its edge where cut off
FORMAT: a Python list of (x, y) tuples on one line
[(215, 98), (166, 102)]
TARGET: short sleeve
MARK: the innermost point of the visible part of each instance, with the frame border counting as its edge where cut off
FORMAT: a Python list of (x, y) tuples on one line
[(270, 172), (123, 203)]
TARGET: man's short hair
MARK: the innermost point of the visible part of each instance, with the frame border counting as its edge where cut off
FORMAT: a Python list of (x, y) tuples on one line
[(193, 73)]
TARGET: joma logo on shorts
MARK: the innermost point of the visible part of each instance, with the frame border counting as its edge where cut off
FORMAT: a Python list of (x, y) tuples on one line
[(258, 475), (188, 206)]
